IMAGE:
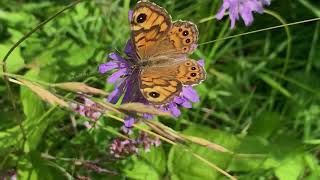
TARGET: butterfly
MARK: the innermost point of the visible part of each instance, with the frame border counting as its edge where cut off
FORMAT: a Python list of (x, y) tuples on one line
[(162, 48)]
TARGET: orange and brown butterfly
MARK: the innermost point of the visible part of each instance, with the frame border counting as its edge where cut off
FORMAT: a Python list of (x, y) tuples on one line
[(162, 48)]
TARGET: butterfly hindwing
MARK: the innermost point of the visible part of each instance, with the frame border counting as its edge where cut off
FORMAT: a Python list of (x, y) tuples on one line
[(159, 87)]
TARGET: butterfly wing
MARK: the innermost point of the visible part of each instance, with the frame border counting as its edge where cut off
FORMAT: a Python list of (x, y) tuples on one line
[(159, 85), (190, 72), (182, 38), (149, 24), (154, 34)]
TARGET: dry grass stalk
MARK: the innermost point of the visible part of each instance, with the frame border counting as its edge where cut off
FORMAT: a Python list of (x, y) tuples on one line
[(80, 87), (144, 109), (44, 94)]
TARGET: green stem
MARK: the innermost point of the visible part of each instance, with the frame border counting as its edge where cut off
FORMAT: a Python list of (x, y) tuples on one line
[(313, 48), (288, 52)]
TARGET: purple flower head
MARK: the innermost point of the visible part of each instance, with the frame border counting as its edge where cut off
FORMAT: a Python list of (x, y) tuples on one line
[(128, 122), (124, 147), (129, 87), (242, 7), (120, 148), (9, 175), (126, 83), (87, 108), (187, 96), (125, 77)]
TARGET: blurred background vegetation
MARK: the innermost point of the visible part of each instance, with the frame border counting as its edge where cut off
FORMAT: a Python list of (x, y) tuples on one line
[(260, 99)]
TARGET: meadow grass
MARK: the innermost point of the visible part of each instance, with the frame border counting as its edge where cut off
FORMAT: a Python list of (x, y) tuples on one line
[(260, 100)]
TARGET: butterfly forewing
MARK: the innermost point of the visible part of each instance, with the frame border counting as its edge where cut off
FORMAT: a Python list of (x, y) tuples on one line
[(149, 24)]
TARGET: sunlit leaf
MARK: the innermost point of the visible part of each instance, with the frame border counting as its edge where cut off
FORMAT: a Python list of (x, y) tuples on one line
[(15, 62)]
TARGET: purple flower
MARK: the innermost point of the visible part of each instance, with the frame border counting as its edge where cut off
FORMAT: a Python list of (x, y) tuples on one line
[(146, 141), (125, 147), (125, 77), (89, 109), (9, 175), (126, 83), (128, 122), (120, 148), (187, 96), (242, 7)]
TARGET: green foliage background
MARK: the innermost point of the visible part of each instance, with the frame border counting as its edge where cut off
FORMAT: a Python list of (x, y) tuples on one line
[(260, 99)]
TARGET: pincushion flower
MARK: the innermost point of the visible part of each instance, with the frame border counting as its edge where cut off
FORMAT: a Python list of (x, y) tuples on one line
[(127, 86), (125, 80), (244, 8)]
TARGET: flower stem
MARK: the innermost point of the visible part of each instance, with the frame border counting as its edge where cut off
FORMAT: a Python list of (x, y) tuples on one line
[(288, 51)]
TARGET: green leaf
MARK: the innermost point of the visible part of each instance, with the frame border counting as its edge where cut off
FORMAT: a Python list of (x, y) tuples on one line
[(252, 154), (15, 62), (291, 168), (265, 124), (274, 84), (14, 18), (33, 107), (313, 165), (148, 165), (32, 104), (311, 7), (25, 169), (80, 56), (33, 166), (182, 165), (10, 138)]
